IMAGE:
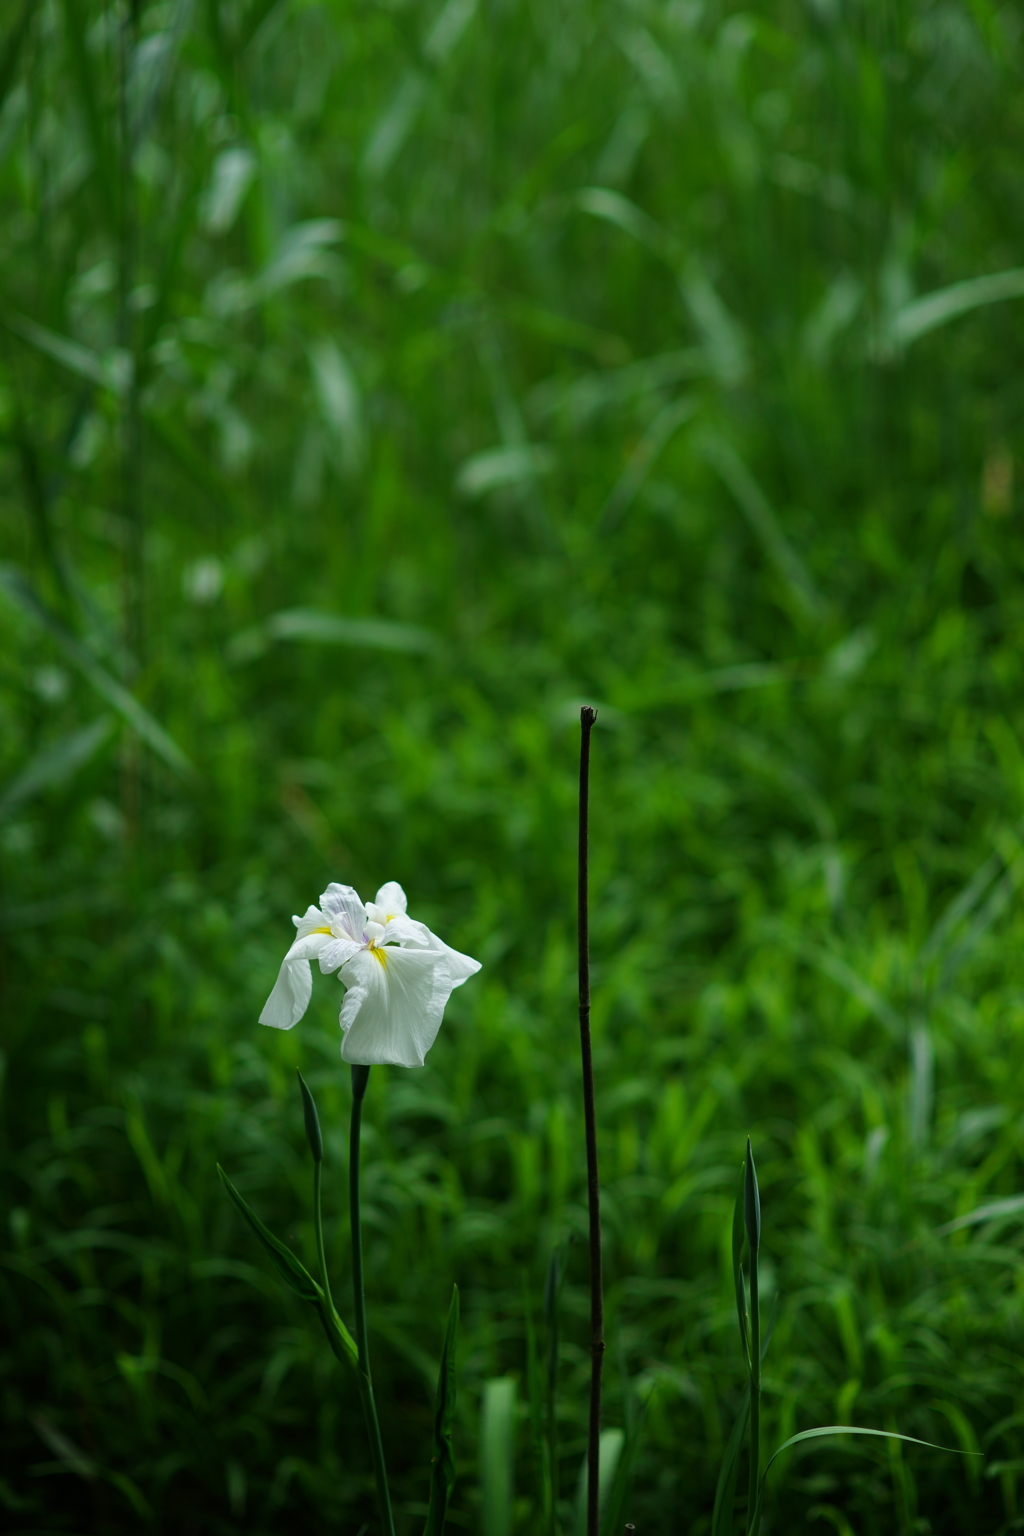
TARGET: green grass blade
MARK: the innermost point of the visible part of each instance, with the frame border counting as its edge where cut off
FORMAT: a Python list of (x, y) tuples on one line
[(333, 629), (609, 1460), (841, 1429), (930, 311), (109, 371), (552, 1301), (535, 1396), (615, 1501), (497, 1452), (12, 48), (854, 1429), (19, 591), (993, 1210), (294, 1274), (737, 1267), (56, 763), (104, 157), (442, 1478), (765, 525), (725, 1490)]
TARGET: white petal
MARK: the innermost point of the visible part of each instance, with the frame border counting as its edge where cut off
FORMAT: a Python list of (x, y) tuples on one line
[(413, 935), (341, 901), (462, 967), (293, 988), (403, 930), (336, 952), (308, 945), (391, 899), (393, 1006), (290, 997), (313, 920)]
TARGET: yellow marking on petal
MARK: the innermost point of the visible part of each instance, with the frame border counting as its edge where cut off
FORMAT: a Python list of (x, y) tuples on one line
[(378, 954), (320, 930)]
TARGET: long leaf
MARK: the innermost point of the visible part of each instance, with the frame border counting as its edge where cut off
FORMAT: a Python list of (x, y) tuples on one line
[(934, 309), (442, 1477), (1012, 1205), (842, 1429), (294, 1274), (497, 1450), (112, 371), (23, 596), (762, 519), (615, 1509), (13, 41), (737, 1268), (104, 158), (725, 1491), (609, 1457), (56, 763), (296, 1277)]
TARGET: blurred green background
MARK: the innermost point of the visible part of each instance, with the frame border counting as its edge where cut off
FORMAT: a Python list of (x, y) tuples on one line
[(377, 383)]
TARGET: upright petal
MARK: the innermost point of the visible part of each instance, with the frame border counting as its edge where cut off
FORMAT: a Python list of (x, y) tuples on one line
[(391, 899), (294, 986), (393, 1006), (342, 901)]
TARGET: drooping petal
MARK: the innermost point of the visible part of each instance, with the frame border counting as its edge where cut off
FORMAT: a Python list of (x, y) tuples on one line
[(290, 997), (413, 935), (393, 1006), (308, 946), (342, 902), (293, 988), (392, 900), (462, 967)]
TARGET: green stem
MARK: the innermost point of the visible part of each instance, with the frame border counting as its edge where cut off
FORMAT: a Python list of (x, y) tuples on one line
[(587, 717), (360, 1077), (753, 1516)]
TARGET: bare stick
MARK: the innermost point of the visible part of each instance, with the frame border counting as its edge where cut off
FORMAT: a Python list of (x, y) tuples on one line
[(587, 717)]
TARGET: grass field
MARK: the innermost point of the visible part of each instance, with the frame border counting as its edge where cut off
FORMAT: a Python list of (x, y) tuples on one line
[(378, 383)]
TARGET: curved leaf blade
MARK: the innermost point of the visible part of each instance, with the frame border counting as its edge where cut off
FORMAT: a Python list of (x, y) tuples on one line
[(725, 1492), (294, 1274), (843, 1429), (20, 592)]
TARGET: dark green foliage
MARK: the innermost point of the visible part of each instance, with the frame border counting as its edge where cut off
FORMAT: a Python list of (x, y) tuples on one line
[(378, 383)]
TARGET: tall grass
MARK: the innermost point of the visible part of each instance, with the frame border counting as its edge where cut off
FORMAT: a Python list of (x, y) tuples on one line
[(376, 384)]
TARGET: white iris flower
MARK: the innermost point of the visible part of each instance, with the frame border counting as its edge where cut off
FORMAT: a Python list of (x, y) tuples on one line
[(397, 973)]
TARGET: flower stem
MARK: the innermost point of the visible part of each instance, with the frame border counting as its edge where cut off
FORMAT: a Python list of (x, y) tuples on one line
[(360, 1077), (587, 717)]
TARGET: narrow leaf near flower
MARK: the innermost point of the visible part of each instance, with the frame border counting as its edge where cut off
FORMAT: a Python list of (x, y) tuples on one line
[(397, 974)]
